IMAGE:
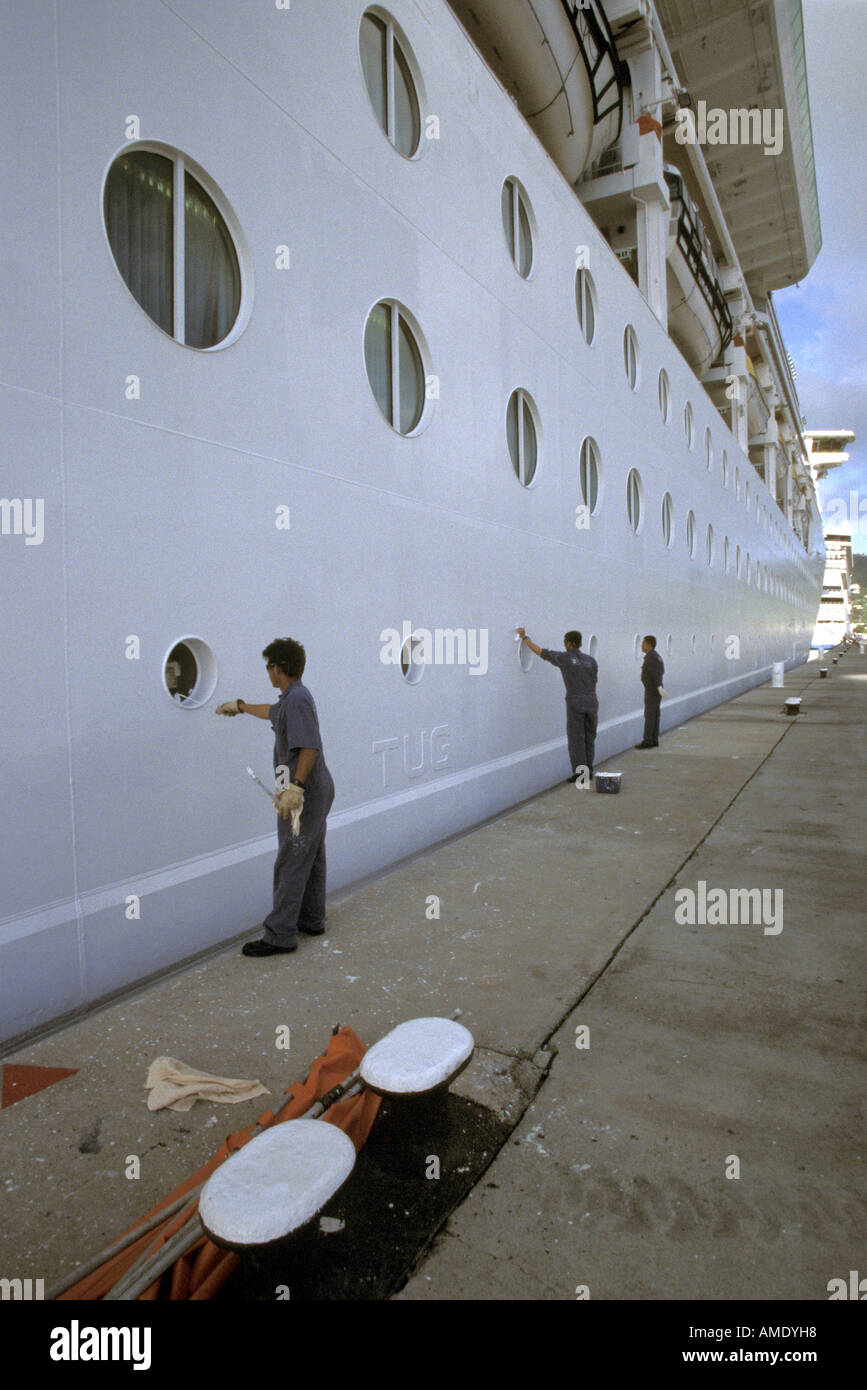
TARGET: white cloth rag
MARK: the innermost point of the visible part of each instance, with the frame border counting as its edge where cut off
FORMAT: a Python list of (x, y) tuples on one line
[(172, 1083)]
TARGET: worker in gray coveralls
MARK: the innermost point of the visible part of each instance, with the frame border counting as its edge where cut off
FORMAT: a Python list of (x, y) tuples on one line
[(303, 799), (579, 672), (652, 672)]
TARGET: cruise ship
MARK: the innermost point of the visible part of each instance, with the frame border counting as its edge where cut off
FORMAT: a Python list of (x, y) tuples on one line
[(390, 328), (827, 450), (834, 620)]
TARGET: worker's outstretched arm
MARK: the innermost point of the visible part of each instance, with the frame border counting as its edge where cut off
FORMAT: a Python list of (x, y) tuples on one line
[(522, 633), (241, 707), (258, 711)]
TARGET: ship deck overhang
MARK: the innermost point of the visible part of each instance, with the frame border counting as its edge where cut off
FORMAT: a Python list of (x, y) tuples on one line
[(743, 55)]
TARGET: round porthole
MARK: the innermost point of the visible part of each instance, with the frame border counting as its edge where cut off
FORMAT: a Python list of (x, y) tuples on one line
[(190, 672), (185, 266), (689, 425), (630, 357), (667, 520), (396, 358), (585, 305), (690, 535), (411, 665), (522, 436), (518, 226), (590, 475), (392, 81), (664, 396), (634, 500)]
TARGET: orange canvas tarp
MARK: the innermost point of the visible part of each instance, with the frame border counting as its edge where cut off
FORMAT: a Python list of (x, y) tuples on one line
[(199, 1272)]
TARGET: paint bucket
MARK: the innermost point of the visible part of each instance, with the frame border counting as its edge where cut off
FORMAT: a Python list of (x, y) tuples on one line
[(608, 781), (778, 678), (793, 705)]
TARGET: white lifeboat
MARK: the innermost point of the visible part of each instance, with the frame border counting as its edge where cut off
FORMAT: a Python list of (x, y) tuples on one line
[(558, 61), (699, 320)]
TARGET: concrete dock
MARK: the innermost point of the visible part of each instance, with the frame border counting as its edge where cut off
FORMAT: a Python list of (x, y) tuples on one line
[(698, 1133)]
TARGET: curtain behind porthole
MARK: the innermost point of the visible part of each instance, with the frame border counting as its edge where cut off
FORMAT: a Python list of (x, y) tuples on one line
[(139, 218), (139, 222)]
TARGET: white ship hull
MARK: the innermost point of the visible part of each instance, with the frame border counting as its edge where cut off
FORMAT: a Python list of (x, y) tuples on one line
[(160, 511)]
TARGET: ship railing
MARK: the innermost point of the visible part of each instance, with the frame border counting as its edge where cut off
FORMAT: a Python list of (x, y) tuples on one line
[(605, 71), (771, 313)]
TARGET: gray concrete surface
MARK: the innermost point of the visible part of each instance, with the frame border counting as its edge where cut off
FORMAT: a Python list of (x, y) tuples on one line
[(704, 1041)]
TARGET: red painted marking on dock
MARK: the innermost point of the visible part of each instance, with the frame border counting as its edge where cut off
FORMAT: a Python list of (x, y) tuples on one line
[(20, 1082)]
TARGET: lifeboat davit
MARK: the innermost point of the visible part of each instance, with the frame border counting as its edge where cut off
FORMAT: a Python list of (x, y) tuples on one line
[(557, 59), (758, 410)]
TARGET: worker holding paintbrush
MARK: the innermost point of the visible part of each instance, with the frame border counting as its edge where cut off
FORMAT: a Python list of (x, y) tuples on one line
[(303, 798)]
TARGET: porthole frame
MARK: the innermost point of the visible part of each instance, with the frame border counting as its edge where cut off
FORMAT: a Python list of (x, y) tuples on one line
[(182, 164), (668, 520), (589, 444), (394, 34), (420, 667), (399, 310), (524, 397), (689, 425), (635, 525), (691, 534), (663, 394), (207, 672), (631, 358), (520, 200), (588, 293)]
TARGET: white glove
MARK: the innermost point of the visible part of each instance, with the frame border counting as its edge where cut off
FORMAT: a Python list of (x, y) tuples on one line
[(290, 803), (230, 707), (662, 693)]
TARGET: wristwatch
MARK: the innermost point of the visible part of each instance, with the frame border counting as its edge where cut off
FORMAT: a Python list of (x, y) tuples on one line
[(296, 783)]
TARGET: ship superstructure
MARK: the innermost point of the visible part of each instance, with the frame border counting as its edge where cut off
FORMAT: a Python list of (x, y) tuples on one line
[(828, 451), (834, 621), (389, 327)]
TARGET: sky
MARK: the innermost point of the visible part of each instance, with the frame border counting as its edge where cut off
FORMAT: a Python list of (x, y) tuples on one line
[(824, 319)]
